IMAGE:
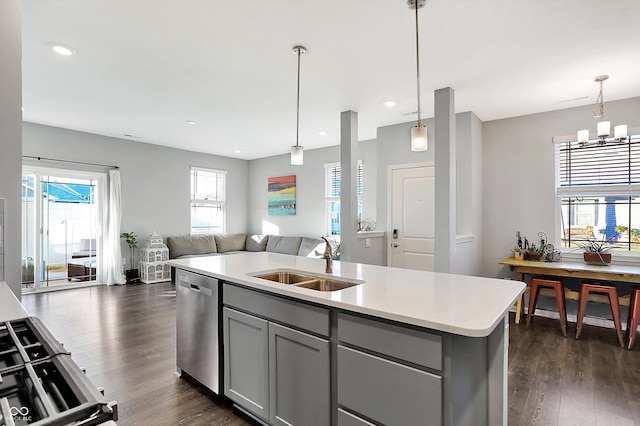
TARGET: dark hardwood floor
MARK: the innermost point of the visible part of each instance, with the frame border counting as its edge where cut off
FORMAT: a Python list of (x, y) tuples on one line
[(125, 337)]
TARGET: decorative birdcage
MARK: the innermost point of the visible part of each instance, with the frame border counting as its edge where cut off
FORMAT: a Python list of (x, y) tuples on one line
[(153, 261)]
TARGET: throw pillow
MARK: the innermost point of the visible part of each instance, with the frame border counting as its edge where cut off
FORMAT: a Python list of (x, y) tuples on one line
[(257, 242)]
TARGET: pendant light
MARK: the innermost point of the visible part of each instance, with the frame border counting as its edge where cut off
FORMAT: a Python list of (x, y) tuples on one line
[(603, 128), (419, 132), (297, 150)]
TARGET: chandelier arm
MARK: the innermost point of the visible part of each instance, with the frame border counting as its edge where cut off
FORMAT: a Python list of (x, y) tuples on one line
[(599, 104), (417, 63)]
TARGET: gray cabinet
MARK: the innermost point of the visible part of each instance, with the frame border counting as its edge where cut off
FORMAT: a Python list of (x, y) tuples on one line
[(388, 374), (276, 371), (246, 361), (298, 377)]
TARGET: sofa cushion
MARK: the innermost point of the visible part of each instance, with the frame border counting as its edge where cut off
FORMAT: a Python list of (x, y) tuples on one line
[(191, 244), (284, 245), (230, 242), (311, 247), (256, 242)]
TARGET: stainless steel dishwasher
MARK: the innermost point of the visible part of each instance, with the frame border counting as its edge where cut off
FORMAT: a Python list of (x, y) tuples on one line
[(197, 346)]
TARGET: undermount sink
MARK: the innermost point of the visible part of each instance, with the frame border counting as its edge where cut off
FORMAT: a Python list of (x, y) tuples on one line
[(285, 277), (303, 280), (324, 284)]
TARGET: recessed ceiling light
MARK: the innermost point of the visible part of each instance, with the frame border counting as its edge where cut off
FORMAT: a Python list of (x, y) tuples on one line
[(323, 133), (390, 104), (62, 50), (191, 122), (126, 135), (237, 151)]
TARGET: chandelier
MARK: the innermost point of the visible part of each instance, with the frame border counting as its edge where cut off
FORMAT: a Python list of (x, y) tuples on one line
[(603, 128)]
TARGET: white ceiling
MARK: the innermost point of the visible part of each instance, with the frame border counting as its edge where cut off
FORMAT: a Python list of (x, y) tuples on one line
[(145, 67)]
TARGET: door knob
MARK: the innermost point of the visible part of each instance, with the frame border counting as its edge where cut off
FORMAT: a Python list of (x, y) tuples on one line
[(394, 245)]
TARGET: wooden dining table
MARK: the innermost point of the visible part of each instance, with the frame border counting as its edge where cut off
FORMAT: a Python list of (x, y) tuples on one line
[(615, 273)]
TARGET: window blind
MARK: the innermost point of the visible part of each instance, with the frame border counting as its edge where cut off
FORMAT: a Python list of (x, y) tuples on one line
[(599, 165), (334, 175)]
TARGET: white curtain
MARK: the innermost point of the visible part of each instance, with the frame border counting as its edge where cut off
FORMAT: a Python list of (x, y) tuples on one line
[(112, 252)]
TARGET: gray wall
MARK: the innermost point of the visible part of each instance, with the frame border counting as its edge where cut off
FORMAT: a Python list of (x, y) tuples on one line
[(310, 196), (468, 260), (11, 135), (393, 148), (519, 170), (155, 179), (310, 193)]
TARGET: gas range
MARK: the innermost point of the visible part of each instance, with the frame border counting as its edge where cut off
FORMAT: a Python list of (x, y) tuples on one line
[(41, 385)]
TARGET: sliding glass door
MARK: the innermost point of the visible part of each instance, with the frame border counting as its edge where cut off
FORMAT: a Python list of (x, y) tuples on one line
[(60, 228)]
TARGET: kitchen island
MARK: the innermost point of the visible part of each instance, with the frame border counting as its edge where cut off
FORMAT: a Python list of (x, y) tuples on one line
[(399, 347)]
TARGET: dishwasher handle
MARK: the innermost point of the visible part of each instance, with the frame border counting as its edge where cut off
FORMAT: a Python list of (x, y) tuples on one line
[(198, 288)]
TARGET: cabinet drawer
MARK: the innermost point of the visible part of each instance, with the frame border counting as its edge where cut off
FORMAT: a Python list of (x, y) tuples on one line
[(387, 392), (407, 344), (348, 419), (299, 315)]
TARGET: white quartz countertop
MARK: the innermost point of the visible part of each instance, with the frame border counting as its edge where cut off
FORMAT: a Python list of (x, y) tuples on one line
[(458, 304), (10, 307)]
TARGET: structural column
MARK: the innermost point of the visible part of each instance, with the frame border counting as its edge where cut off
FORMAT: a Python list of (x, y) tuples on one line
[(348, 183), (11, 136), (445, 196)]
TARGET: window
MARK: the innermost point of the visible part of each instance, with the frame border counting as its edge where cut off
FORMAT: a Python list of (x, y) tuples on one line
[(207, 201), (598, 187), (332, 185)]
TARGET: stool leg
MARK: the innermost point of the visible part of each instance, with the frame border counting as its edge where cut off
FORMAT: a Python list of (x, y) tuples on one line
[(533, 301), (615, 310), (582, 306), (559, 290), (634, 318)]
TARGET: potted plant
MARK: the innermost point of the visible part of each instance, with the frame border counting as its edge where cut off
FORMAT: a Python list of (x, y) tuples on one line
[(595, 252), (518, 250), (131, 274), (533, 252)]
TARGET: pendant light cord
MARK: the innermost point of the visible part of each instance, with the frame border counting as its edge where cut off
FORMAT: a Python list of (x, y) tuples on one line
[(298, 99), (418, 62)]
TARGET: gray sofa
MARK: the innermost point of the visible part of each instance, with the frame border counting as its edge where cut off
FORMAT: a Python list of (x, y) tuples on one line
[(224, 244)]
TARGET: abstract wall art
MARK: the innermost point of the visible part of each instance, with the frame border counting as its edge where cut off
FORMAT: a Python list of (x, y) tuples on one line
[(282, 195)]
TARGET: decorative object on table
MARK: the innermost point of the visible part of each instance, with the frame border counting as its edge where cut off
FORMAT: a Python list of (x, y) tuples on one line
[(603, 128), (131, 274), (552, 254), (282, 196), (518, 251), (153, 261), (533, 252), (524, 250), (595, 252)]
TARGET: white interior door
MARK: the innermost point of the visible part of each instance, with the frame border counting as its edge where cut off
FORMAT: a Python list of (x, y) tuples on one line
[(412, 233)]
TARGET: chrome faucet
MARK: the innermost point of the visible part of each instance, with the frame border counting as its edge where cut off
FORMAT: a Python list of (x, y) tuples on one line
[(327, 256)]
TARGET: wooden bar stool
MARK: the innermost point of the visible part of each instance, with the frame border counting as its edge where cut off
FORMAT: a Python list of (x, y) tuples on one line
[(612, 292), (558, 287), (634, 316)]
